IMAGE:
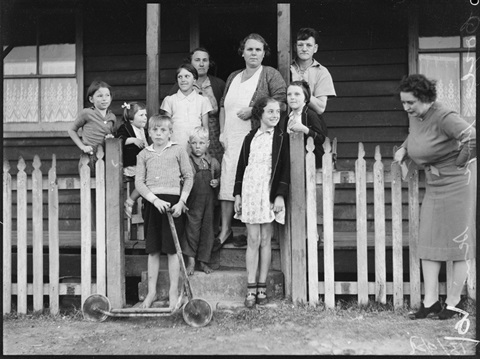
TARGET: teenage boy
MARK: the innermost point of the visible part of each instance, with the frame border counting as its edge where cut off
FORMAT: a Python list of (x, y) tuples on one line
[(306, 68)]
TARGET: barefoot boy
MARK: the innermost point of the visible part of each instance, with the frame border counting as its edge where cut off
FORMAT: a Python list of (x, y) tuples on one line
[(199, 233), (160, 167)]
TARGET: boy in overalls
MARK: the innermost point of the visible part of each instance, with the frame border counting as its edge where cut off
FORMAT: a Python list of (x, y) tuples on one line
[(199, 233)]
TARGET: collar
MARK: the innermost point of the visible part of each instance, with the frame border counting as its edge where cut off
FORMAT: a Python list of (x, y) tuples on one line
[(260, 132), (204, 85), (315, 63), (189, 98), (207, 158), (169, 144)]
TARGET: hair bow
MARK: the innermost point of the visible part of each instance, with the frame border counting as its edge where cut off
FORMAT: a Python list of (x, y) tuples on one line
[(126, 105)]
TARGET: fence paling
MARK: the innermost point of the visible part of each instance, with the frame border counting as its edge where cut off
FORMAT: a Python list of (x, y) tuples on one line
[(100, 223), (86, 227), (53, 235), (7, 238), (298, 224), (37, 238), (311, 211), (413, 230), (397, 245), (328, 252), (379, 206), (21, 237), (362, 253)]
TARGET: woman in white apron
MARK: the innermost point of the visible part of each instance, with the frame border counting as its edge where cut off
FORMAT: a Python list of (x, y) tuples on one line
[(242, 89)]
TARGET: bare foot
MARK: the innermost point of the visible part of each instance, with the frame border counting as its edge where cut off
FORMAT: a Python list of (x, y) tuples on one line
[(149, 299), (175, 302), (191, 266), (205, 268)]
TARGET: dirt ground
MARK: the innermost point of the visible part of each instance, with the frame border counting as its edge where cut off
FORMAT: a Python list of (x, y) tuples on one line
[(283, 329)]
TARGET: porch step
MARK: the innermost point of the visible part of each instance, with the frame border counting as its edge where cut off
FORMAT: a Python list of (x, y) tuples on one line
[(224, 284)]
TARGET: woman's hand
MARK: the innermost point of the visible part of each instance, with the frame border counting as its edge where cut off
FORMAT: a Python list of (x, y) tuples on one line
[(299, 127), (238, 204), (279, 204), (400, 154), (244, 113), (214, 183), (179, 208), (161, 205), (109, 136)]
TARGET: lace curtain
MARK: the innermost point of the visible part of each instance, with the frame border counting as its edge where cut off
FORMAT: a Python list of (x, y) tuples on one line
[(454, 79), (57, 102)]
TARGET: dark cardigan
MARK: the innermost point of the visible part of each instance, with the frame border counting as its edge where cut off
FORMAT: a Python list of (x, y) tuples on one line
[(317, 130), (280, 178), (130, 151)]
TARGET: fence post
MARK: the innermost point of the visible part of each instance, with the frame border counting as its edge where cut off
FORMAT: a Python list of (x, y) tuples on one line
[(297, 170), (285, 242), (362, 253), (397, 245), (413, 230), (379, 205), (53, 249), (312, 235), (7, 238), (37, 237), (86, 227), (114, 215), (21, 237), (328, 248), (100, 222)]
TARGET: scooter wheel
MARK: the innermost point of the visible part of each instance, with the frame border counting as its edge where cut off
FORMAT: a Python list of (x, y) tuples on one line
[(197, 313), (92, 305)]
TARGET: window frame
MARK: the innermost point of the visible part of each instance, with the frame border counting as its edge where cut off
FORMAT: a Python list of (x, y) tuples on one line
[(51, 129), (414, 50)]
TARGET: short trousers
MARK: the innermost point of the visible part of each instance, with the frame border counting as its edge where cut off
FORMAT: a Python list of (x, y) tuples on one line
[(158, 236)]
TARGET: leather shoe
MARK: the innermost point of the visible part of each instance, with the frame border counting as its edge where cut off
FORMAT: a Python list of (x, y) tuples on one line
[(217, 244), (447, 313), (423, 312), (240, 241)]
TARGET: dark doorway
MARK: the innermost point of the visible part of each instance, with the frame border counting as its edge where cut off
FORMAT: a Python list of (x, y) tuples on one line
[(222, 29)]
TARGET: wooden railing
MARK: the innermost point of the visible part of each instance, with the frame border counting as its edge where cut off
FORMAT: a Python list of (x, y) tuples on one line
[(109, 250), (305, 180)]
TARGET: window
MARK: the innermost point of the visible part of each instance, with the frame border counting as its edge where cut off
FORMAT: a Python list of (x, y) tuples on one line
[(40, 71), (450, 59)]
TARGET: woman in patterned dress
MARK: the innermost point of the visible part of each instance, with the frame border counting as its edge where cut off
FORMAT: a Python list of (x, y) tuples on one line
[(261, 185), (443, 143)]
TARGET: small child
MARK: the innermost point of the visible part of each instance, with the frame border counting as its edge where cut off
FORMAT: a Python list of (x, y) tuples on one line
[(199, 233), (160, 168), (261, 186), (97, 122), (187, 108), (134, 136)]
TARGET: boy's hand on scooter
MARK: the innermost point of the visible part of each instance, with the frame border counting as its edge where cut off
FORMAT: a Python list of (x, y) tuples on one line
[(178, 209), (162, 206)]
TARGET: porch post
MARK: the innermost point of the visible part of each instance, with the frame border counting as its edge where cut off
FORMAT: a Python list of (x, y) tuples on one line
[(284, 232), (114, 219), (153, 58), (284, 41), (413, 38), (194, 28)]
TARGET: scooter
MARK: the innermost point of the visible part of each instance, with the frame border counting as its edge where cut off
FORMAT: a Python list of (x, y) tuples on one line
[(196, 312)]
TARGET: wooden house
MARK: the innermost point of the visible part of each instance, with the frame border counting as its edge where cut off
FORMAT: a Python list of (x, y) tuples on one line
[(53, 49)]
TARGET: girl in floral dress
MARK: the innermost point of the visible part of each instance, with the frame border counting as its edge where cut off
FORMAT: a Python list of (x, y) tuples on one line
[(261, 185)]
